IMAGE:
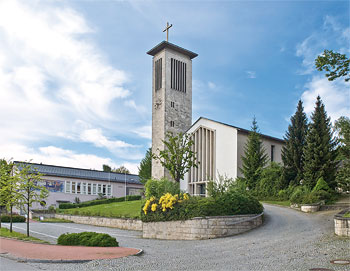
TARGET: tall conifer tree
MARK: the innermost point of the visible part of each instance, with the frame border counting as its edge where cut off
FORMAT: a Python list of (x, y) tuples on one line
[(320, 150), (254, 158), (292, 152)]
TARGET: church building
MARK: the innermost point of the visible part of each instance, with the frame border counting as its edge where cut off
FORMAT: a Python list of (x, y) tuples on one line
[(218, 146)]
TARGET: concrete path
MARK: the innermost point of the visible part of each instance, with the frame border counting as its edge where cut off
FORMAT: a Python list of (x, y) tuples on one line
[(289, 240), (27, 251)]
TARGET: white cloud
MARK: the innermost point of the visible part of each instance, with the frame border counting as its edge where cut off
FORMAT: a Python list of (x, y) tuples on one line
[(56, 83), (211, 85), (251, 74), (139, 108), (335, 95), (144, 132)]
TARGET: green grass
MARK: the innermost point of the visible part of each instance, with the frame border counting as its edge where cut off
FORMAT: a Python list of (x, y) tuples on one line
[(276, 202), (346, 215), (128, 209), (53, 220), (4, 232)]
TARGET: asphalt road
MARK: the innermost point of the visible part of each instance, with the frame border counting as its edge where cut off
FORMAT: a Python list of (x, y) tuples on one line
[(288, 240)]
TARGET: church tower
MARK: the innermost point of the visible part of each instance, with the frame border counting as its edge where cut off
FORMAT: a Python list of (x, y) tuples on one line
[(171, 95)]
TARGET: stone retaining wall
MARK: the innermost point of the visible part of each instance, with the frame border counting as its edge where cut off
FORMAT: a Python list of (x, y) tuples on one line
[(310, 208), (342, 224), (202, 228), (120, 223)]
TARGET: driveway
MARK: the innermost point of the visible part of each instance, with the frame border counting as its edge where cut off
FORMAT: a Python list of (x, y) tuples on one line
[(288, 240)]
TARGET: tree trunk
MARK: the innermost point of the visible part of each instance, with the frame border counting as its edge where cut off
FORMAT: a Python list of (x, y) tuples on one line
[(28, 220), (11, 218)]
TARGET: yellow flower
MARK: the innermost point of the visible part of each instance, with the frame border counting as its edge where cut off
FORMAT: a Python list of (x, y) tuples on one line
[(154, 207), (186, 197)]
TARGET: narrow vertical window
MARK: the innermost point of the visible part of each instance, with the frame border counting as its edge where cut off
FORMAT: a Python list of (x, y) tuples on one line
[(172, 104), (94, 190), (158, 74), (68, 188), (172, 124), (73, 188), (272, 152), (178, 75), (89, 189)]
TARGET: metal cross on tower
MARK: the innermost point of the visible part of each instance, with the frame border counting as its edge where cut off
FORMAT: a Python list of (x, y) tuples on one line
[(167, 30)]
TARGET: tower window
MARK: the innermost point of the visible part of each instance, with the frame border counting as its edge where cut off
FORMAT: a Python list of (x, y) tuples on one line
[(172, 124), (172, 104), (178, 75), (158, 74), (272, 152)]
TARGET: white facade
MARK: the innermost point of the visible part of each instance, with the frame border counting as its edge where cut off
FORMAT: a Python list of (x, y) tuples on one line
[(219, 148)]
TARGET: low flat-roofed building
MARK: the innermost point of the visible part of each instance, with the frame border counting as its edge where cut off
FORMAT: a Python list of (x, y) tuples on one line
[(65, 184)]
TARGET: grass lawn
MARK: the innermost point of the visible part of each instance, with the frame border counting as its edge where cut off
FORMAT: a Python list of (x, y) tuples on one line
[(4, 232), (129, 209), (275, 202)]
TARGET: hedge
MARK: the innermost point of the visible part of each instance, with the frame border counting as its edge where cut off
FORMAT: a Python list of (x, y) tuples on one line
[(89, 239), (97, 202), (230, 203), (15, 218)]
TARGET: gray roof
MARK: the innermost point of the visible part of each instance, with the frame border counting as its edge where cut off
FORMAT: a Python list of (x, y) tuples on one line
[(165, 44), (239, 129), (80, 173)]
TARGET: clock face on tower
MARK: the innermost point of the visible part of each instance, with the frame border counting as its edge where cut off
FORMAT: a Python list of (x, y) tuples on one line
[(158, 103)]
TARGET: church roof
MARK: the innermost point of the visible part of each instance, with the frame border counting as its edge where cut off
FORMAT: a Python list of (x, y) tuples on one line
[(165, 44), (80, 173), (239, 129)]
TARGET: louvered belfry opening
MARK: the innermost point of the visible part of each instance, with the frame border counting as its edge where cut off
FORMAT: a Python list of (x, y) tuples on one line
[(178, 75), (158, 74)]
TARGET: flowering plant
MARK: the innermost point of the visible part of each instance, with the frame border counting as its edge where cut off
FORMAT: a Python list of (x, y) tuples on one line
[(166, 202)]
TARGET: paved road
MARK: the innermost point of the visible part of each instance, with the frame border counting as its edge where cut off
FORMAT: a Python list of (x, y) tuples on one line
[(288, 240)]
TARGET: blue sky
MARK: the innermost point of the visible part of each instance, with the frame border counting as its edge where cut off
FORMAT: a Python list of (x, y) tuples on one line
[(75, 79)]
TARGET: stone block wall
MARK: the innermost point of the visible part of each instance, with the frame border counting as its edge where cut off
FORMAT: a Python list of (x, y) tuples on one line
[(342, 224), (120, 223), (201, 228), (310, 208)]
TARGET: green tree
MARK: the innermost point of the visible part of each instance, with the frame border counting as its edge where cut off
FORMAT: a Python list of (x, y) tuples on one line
[(106, 168), (342, 126), (30, 190), (8, 187), (177, 156), (320, 149), (292, 151), (254, 158), (336, 64), (271, 181), (145, 169), (343, 176), (122, 170)]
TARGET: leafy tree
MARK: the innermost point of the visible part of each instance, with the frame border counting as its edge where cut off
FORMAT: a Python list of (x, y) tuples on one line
[(122, 170), (8, 187), (145, 169), (336, 64), (271, 181), (254, 158), (30, 190), (319, 152), (292, 152), (343, 176), (177, 156), (342, 126), (106, 168)]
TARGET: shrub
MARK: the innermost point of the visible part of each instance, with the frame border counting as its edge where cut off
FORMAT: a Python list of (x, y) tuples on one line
[(15, 218), (157, 188), (321, 185), (229, 203), (298, 194), (98, 201), (271, 181), (90, 239)]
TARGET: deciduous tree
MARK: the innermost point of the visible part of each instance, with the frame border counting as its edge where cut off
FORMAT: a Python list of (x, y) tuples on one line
[(336, 64)]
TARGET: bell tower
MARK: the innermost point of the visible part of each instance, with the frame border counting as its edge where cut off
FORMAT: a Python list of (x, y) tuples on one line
[(171, 95)]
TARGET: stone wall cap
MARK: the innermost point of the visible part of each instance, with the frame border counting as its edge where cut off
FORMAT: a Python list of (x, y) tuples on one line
[(165, 44)]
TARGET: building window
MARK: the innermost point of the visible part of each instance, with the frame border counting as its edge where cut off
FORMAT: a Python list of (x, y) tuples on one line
[(83, 190), (68, 188), (78, 188), (172, 104), (99, 188), (74, 187), (272, 152), (158, 74), (109, 190), (89, 188), (94, 190), (178, 75), (104, 189), (172, 124)]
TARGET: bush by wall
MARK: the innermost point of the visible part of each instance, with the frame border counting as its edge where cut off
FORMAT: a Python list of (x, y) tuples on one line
[(98, 201), (229, 203), (157, 188), (90, 239), (15, 218)]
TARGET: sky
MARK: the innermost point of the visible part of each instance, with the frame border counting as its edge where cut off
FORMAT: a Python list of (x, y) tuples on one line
[(75, 79)]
